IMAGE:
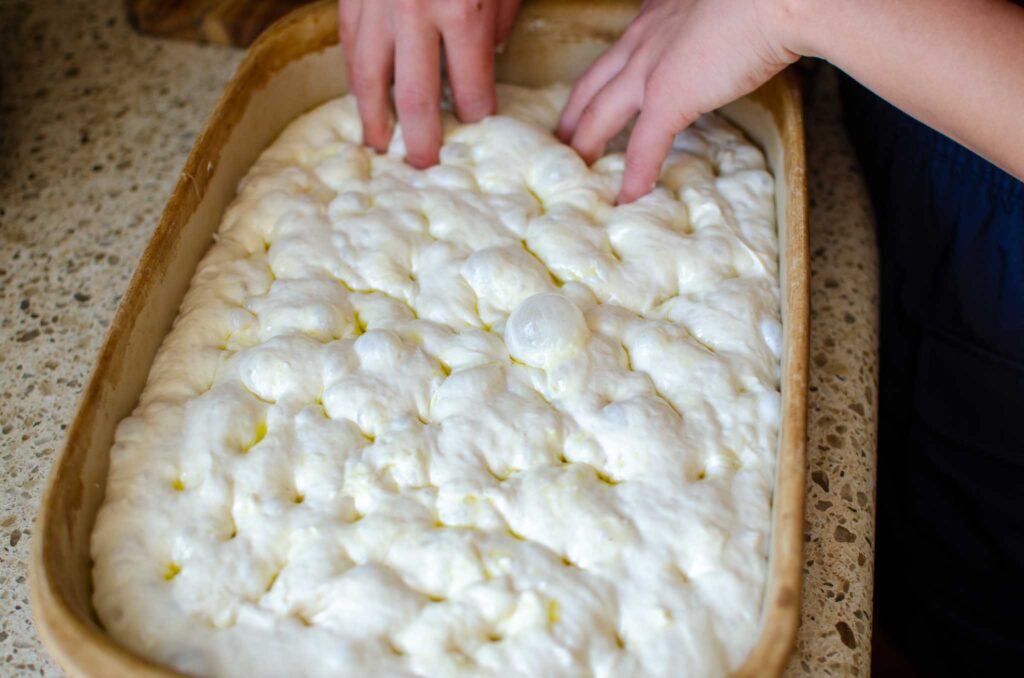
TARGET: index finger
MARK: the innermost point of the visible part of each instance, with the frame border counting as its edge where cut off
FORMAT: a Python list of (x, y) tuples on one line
[(469, 48), (418, 87), (649, 145), (372, 61), (589, 84)]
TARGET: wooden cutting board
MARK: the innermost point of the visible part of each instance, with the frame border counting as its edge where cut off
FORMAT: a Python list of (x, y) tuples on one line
[(226, 22)]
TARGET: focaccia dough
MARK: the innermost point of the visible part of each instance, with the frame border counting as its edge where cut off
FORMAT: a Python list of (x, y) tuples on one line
[(472, 420)]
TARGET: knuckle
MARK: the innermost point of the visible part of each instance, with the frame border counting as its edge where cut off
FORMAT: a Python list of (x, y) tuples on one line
[(660, 105), (462, 12), (655, 94), (669, 103), (585, 89), (637, 69)]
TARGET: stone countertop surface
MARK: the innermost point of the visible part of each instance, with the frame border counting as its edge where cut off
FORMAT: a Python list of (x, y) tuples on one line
[(95, 124)]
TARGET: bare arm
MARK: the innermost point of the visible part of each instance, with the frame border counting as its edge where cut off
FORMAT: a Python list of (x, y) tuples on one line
[(958, 65)]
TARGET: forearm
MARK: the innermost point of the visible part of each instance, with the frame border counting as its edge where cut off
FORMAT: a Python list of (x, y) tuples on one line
[(956, 65)]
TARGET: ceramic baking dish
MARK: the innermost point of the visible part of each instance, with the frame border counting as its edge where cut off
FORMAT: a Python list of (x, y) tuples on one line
[(295, 66)]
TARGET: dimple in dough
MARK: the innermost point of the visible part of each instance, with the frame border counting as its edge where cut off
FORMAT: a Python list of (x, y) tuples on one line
[(472, 420)]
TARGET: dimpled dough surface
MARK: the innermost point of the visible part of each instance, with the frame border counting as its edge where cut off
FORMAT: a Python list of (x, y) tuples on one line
[(473, 420)]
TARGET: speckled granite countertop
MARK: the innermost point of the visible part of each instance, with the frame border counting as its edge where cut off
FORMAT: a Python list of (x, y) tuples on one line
[(95, 123)]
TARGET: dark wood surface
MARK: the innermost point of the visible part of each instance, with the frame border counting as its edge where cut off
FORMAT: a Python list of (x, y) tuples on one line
[(227, 22)]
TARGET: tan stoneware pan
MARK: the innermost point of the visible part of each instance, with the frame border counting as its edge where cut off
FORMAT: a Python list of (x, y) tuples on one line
[(293, 67)]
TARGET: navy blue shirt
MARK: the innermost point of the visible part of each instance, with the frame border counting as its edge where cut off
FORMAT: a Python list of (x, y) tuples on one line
[(950, 535)]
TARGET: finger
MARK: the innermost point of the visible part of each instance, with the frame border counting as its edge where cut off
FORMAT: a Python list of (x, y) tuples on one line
[(469, 52), (590, 83), (649, 144), (607, 66), (505, 19), (608, 113), (418, 87), (348, 20), (372, 65)]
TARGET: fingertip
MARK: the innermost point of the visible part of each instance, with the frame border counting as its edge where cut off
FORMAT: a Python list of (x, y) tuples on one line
[(377, 138), (589, 154), (422, 158), (476, 107), (375, 115), (629, 192), (569, 121), (563, 132), (421, 131), (422, 149), (588, 139), (640, 176), (638, 179)]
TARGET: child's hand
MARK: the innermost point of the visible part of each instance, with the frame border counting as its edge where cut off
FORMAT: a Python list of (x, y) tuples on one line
[(677, 60), (402, 38)]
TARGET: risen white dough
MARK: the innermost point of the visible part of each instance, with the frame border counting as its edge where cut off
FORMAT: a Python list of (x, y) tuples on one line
[(473, 420)]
